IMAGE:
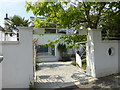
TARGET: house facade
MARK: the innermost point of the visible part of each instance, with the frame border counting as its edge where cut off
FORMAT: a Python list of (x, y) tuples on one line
[(47, 53)]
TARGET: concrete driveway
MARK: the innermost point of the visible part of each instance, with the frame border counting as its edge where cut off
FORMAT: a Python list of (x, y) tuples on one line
[(59, 75)]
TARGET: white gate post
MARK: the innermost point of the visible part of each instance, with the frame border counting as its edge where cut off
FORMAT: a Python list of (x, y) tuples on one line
[(93, 37)]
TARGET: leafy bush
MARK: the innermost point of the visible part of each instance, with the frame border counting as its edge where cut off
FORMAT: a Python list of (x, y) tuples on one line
[(84, 61)]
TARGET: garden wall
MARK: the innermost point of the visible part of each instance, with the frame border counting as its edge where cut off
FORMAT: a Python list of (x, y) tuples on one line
[(0, 75), (99, 60), (17, 68)]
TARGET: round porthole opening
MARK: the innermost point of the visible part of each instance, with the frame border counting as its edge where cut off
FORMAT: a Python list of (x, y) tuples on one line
[(110, 51)]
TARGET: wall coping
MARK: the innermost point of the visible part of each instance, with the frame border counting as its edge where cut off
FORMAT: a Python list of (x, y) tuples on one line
[(110, 41), (9, 42), (89, 30), (25, 28), (95, 30)]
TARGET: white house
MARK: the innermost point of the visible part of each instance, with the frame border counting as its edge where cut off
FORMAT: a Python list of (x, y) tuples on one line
[(49, 33), (46, 53)]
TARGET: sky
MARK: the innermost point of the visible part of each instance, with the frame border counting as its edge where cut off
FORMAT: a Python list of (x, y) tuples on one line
[(13, 7)]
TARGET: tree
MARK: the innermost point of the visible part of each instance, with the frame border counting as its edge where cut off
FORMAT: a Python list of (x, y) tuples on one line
[(13, 22), (73, 14), (76, 14)]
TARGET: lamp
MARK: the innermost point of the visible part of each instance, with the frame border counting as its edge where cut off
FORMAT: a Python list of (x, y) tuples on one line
[(6, 18)]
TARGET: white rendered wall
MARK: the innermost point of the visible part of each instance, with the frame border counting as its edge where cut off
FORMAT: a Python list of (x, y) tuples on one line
[(0, 74), (18, 61), (100, 63), (7, 37), (118, 56), (78, 60), (106, 64), (44, 39), (90, 54), (1, 66)]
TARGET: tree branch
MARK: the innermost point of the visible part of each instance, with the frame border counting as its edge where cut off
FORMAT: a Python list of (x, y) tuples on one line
[(99, 14), (88, 15)]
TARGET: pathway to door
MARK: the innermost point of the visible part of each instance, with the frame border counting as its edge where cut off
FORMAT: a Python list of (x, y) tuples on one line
[(59, 75)]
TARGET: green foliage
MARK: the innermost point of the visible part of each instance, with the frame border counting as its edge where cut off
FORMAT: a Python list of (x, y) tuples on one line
[(63, 52), (51, 43), (74, 63), (62, 48), (94, 15), (77, 14), (70, 40), (84, 63), (113, 26), (13, 22), (31, 86)]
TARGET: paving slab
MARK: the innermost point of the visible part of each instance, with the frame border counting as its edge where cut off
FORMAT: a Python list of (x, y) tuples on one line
[(59, 75)]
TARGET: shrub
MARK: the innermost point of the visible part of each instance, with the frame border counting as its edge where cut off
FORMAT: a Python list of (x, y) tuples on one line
[(66, 59)]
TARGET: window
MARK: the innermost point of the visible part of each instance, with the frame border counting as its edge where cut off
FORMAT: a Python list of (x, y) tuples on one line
[(42, 50)]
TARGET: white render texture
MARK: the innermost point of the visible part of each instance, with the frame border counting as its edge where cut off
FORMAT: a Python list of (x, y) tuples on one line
[(0, 76), (17, 67), (44, 39), (0, 63), (99, 62), (78, 60)]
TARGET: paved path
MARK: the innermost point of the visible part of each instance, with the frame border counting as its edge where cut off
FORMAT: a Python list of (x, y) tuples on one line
[(59, 75)]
